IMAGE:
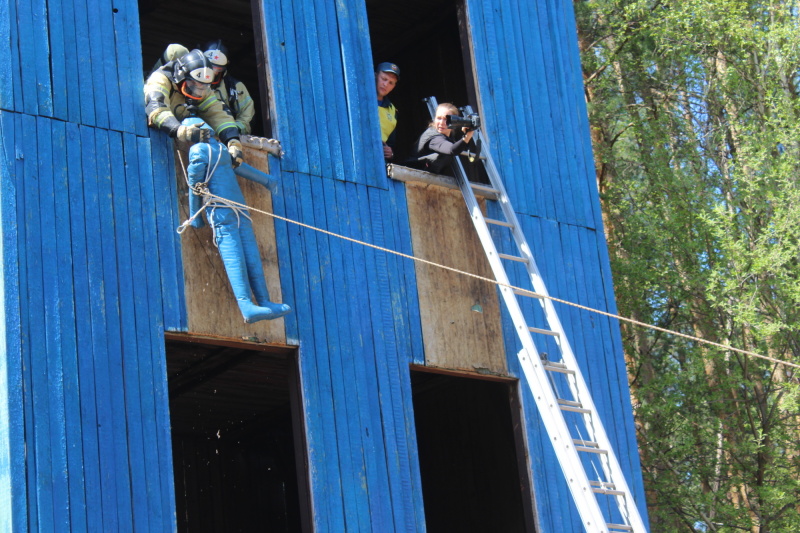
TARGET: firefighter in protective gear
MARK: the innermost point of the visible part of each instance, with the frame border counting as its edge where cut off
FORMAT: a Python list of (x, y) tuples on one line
[(229, 89), (210, 166), (182, 88)]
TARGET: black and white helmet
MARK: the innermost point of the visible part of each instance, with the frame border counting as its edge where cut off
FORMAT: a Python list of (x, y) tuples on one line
[(194, 66)]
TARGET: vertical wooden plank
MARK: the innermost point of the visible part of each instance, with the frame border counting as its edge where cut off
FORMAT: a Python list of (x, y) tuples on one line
[(166, 202), (105, 60), (59, 65), (94, 53), (327, 515), (335, 88), (88, 79), (108, 144), (70, 108), (327, 406), (127, 375), (9, 70), (69, 284), (124, 16), (389, 378), (13, 485), (40, 511), (39, 35), (26, 44), (355, 285), (155, 405), (51, 140), (80, 151)]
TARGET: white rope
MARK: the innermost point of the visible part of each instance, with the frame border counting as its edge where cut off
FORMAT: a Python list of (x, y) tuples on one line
[(518, 289)]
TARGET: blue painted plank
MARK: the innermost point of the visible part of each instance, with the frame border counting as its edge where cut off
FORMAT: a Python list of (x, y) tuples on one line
[(82, 192), (343, 151), (355, 286), (50, 142), (335, 485), (60, 66), (313, 100), (347, 419), (95, 51), (40, 511), (166, 201), (292, 124), (23, 37), (13, 487), (105, 59), (128, 279), (411, 481), (70, 108), (41, 65), (89, 78), (283, 246), (388, 375), (10, 67), (96, 160), (155, 406), (315, 401), (275, 33), (128, 65), (108, 144), (70, 282)]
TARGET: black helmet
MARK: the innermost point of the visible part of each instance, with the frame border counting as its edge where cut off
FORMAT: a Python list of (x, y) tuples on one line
[(193, 74), (195, 66)]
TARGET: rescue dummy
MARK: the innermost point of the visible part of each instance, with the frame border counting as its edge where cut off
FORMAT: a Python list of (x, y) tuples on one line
[(210, 168)]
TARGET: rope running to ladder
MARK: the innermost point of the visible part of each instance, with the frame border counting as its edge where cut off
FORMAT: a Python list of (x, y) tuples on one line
[(518, 289)]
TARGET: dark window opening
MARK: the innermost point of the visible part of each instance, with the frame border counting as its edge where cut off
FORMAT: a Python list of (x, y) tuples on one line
[(194, 24), (237, 439), (474, 475), (429, 42)]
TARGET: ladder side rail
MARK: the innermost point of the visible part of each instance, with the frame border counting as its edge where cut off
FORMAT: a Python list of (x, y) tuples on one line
[(544, 395), (580, 390)]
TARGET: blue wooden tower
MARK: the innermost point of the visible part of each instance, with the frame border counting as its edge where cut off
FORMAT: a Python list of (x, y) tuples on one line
[(132, 395)]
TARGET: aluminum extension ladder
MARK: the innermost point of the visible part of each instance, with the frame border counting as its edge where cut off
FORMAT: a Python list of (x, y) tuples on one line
[(595, 479)]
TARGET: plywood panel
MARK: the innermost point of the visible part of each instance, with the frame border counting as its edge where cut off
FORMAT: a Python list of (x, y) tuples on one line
[(210, 304), (454, 335)]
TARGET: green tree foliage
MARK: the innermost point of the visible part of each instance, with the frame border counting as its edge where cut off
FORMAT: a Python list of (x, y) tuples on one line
[(695, 117)]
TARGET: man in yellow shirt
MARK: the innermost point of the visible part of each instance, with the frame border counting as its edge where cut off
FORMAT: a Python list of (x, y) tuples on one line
[(386, 77)]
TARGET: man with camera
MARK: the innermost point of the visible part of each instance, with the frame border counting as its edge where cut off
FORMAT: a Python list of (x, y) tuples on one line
[(447, 136)]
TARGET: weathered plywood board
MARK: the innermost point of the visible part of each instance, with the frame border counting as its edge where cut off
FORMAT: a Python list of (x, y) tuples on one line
[(210, 305), (454, 335)]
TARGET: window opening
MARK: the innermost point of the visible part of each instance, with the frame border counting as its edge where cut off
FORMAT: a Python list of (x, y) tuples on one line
[(472, 459), (163, 22), (428, 40), (237, 438)]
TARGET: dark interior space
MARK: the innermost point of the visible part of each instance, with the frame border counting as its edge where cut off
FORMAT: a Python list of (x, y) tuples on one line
[(474, 476), (195, 24), (237, 449), (424, 38)]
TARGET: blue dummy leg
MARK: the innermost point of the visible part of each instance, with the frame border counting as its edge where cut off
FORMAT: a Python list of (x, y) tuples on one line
[(255, 268), (233, 257), (253, 174)]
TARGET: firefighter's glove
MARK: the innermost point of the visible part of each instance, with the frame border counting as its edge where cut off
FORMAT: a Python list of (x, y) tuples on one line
[(235, 149), (194, 134)]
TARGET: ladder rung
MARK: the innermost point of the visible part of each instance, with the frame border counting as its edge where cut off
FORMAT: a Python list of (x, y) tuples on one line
[(513, 258), (591, 449), (575, 407), (484, 188), (544, 331), (558, 367), (498, 222), (529, 294), (587, 443), (608, 492), (613, 528)]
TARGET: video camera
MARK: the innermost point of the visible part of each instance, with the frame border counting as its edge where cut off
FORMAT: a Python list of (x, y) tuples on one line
[(471, 122)]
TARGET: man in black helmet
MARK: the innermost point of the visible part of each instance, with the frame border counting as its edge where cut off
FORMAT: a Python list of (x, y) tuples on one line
[(182, 88), (386, 77)]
